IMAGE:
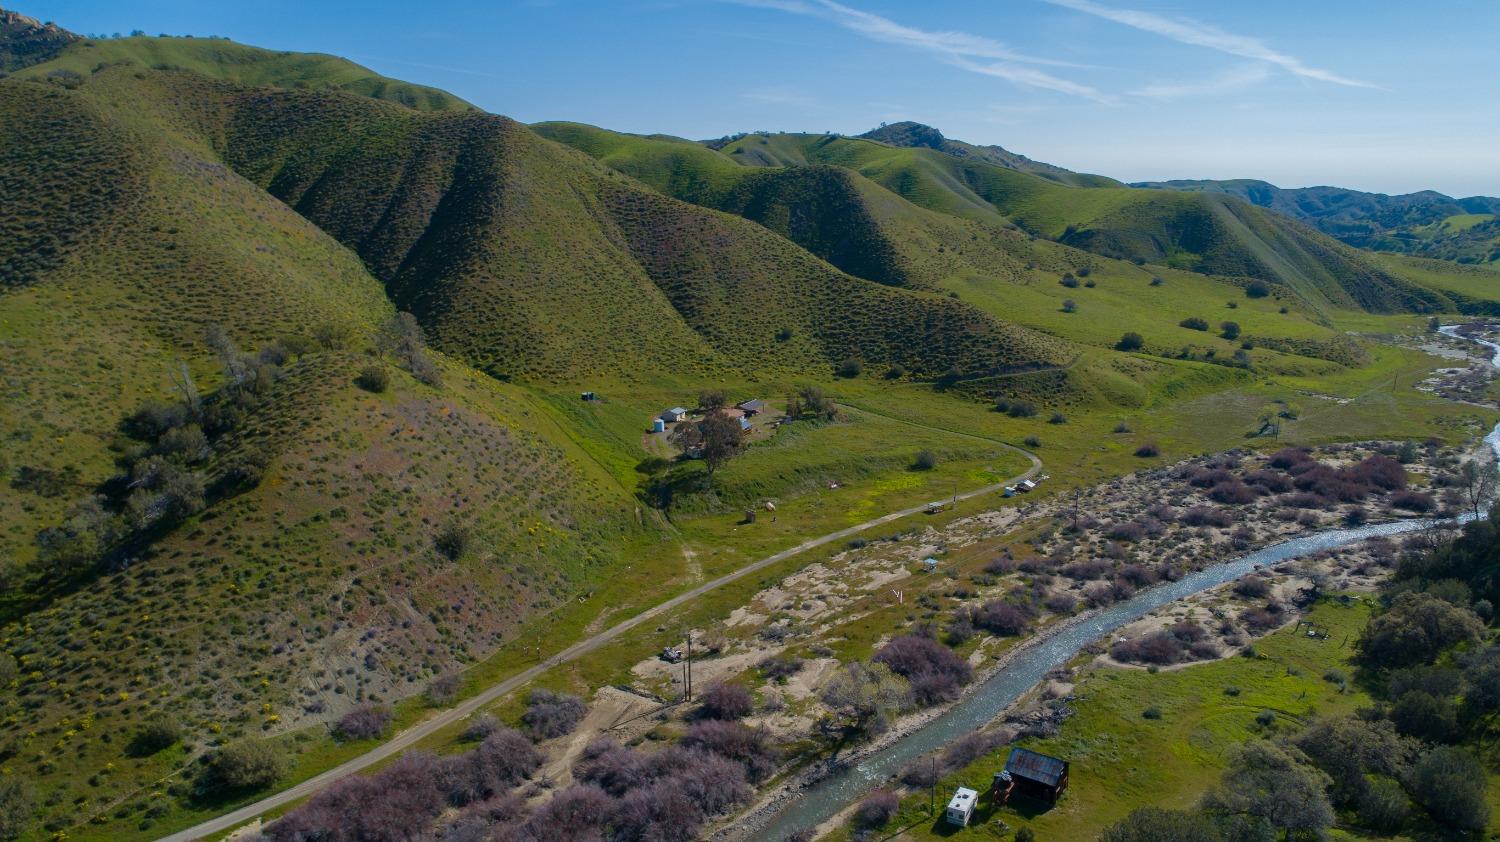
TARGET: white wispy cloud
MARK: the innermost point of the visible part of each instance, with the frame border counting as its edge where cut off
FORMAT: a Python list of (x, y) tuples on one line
[(1199, 34), (779, 96), (974, 53), (1231, 80), (1033, 78)]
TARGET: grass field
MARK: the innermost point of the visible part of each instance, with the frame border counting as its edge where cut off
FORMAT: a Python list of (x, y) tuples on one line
[(1120, 760)]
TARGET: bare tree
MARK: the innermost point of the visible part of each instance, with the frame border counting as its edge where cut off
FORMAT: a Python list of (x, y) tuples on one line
[(237, 368), (864, 696), (182, 380), (402, 338), (1478, 484)]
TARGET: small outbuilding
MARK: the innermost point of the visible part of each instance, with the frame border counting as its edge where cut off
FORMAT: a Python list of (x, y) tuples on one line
[(929, 564), (673, 415), (961, 807), (752, 407), (658, 425), (1030, 773), (1025, 486)]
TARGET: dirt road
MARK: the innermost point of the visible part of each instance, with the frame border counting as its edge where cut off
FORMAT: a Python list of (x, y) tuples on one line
[(411, 736)]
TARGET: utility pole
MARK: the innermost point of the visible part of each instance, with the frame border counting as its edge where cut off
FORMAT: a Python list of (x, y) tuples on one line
[(690, 665), (932, 787)]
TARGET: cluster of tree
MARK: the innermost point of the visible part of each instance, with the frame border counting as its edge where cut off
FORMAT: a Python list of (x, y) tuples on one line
[(1291, 788), (1438, 691), (413, 791), (1184, 640), (861, 699), (1015, 408), (810, 404), (364, 722), (1002, 617), (550, 714), (1470, 559), (170, 466), (933, 672), (715, 438), (402, 338), (618, 794), (410, 795), (725, 701)]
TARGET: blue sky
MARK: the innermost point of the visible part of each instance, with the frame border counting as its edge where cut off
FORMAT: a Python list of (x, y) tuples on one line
[(1369, 94)]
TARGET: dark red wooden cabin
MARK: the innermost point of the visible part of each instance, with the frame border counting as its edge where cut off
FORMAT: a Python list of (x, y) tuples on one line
[(1030, 773)]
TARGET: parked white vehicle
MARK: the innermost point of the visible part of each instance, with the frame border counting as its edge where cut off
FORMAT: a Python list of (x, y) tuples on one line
[(961, 808)]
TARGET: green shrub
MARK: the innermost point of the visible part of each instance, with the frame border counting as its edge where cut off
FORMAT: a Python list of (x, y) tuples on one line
[(925, 461), (158, 732), (453, 540), (17, 803), (374, 378), (245, 765)]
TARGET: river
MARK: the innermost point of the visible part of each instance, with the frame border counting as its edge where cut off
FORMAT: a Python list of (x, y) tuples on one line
[(1030, 664)]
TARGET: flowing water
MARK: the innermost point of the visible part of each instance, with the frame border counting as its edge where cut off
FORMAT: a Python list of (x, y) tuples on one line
[(1030, 664)]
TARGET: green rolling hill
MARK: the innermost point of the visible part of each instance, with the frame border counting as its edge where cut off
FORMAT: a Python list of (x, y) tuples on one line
[(300, 210), (302, 534), (1424, 224), (1205, 233), (916, 135)]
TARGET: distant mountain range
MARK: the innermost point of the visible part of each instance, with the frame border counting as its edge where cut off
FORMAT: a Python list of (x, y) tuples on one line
[(1426, 224)]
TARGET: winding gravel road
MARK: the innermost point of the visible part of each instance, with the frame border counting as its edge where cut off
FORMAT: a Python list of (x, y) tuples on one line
[(410, 737)]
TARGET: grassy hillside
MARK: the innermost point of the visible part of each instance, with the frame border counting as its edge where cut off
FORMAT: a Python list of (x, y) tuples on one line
[(1202, 232), (216, 58), (868, 230), (352, 541), (129, 239), (106, 273), (916, 135), (1424, 224), (835, 213), (321, 588), (1474, 289)]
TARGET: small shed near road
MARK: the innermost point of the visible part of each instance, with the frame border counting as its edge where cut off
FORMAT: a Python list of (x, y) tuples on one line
[(752, 407), (673, 415), (1030, 773)]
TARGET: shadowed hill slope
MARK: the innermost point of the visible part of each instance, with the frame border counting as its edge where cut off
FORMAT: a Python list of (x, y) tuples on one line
[(327, 571), (1208, 234), (834, 212), (490, 234)]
